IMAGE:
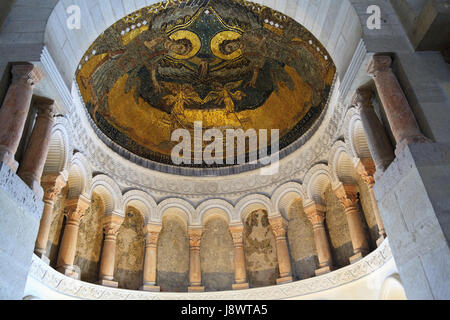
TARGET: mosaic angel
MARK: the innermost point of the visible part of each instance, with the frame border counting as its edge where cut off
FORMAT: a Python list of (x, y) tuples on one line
[(144, 51)]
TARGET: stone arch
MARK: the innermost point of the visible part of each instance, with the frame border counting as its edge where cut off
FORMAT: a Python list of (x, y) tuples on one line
[(179, 207), (143, 202), (58, 156), (215, 207), (110, 194), (253, 202), (355, 136), (340, 36), (317, 180), (285, 195), (341, 165), (80, 177)]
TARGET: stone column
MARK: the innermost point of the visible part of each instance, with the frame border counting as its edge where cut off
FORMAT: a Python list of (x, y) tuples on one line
[(195, 273), (348, 198), (52, 184), (76, 209), (366, 169), (150, 259), (398, 111), (33, 161), (240, 273), (14, 111), (379, 144), (278, 226), (316, 215), (111, 225)]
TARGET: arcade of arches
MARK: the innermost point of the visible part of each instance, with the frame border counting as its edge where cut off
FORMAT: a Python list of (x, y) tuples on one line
[(98, 211)]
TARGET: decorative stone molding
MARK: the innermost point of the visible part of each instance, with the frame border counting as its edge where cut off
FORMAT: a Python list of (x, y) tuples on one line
[(55, 77), (143, 202), (76, 289), (80, 176), (338, 148), (285, 194), (253, 202), (317, 178), (189, 214), (215, 207), (110, 193)]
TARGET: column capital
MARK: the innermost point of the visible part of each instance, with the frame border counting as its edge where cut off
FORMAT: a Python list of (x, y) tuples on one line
[(195, 235), (152, 234), (278, 225), (379, 63), (45, 107), (363, 98), (366, 169), (76, 208), (237, 233), (111, 224), (315, 213), (26, 73), (52, 185), (346, 194)]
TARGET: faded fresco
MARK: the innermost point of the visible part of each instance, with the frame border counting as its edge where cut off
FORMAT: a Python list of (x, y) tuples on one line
[(173, 256), (301, 243), (217, 256), (130, 248), (260, 250), (228, 63), (339, 234), (90, 241)]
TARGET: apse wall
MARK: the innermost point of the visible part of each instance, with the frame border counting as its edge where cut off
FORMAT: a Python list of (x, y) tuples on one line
[(340, 36)]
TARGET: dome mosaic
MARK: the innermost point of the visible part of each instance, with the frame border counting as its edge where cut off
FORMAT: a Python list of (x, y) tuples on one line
[(230, 64)]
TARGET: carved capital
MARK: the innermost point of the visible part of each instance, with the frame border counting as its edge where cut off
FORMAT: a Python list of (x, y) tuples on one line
[(363, 98), (26, 74), (366, 169), (151, 239), (152, 234), (379, 63), (76, 208), (111, 225), (315, 214), (237, 235), (195, 236), (346, 194), (45, 107), (279, 226), (52, 185)]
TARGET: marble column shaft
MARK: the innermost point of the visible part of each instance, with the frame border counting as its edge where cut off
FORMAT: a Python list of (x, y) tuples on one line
[(76, 209), (52, 184), (398, 111), (195, 274), (240, 273), (316, 215), (366, 170), (14, 111), (348, 198), (111, 225), (150, 258), (379, 144), (279, 228), (32, 164)]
